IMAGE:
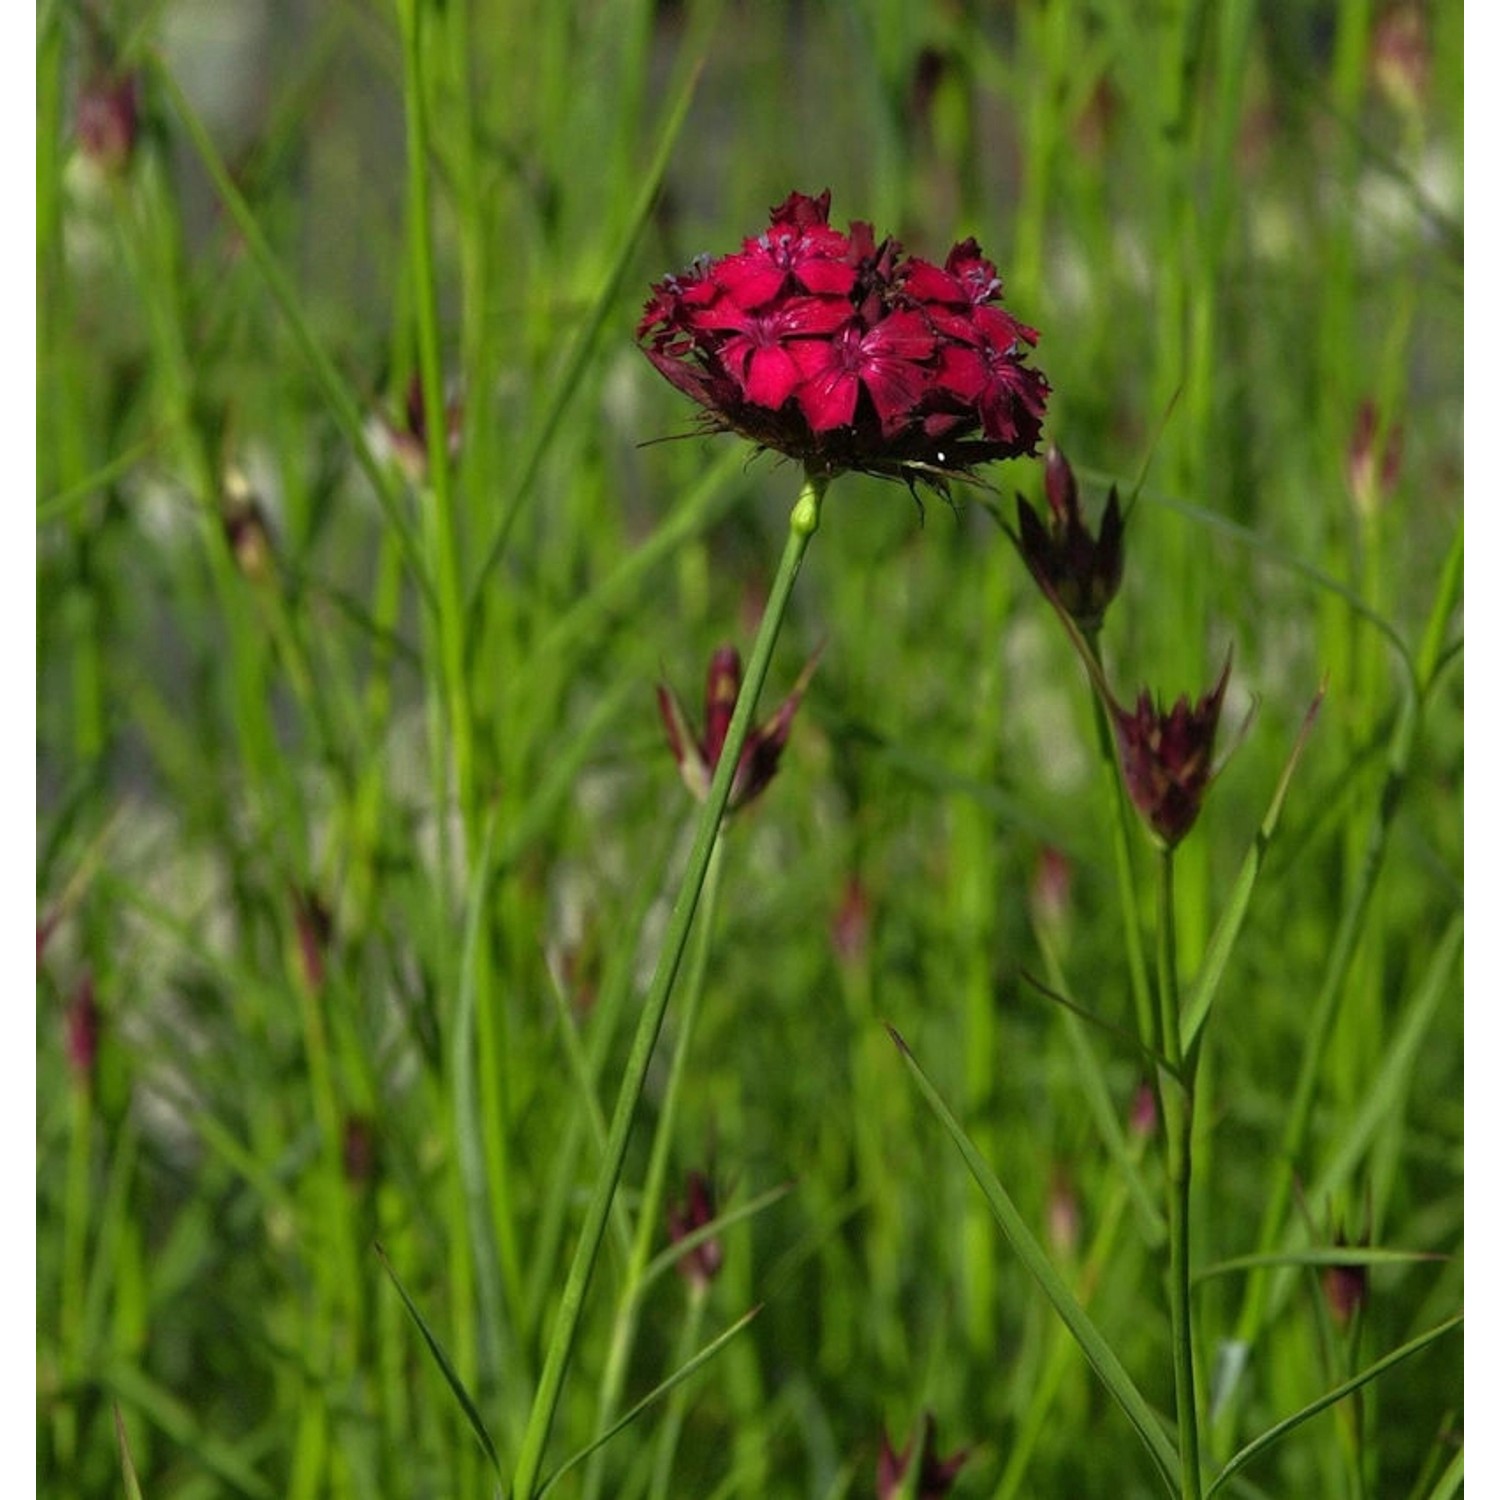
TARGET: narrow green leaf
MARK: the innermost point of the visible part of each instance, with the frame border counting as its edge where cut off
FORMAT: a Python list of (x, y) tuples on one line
[(565, 387), (164, 1409), (127, 1464), (476, 1422), (696, 1363), (1257, 1446), (1349, 1255), (1216, 959), (1452, 1480), (1386, 1093), (468, 1127), (61, 503), (1095, 1347)]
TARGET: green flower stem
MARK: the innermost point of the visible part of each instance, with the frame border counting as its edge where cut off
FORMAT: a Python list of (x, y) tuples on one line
[(1122, 821), (441, 542), (1175, 1087), (648, 1216), (671, 1426), (804, 522)]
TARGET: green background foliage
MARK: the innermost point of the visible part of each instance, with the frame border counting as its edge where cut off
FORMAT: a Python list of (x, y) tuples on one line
[(426, 715)]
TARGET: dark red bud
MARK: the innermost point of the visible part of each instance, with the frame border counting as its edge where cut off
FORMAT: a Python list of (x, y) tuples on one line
[(935, 1476), (84, 1028), (702, 1263)]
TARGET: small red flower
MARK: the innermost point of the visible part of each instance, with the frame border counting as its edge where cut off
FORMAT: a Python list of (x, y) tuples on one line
[(1166, 757), (935, 1476), (839, 352), (698, 757)]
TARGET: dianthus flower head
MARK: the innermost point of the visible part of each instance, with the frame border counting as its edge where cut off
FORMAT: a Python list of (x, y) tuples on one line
[(842, 353)]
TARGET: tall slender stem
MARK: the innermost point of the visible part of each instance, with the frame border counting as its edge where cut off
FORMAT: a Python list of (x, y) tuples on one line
[(804, 522), (1120, 822), (1175, 1085)]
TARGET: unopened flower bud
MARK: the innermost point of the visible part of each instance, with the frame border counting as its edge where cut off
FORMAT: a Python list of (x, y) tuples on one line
[(698, 757), (1143, 1112), (106, 120), (1346, 1289), (407, 438), (935, 1475), (246, 529), (701, 1264), (1079, 572), (1166, 757), (360, 1152), (1401, 57), (1052, 892), (314, 925), (851, 923), (1374, 462), (1063, 1216), (84, 1028)]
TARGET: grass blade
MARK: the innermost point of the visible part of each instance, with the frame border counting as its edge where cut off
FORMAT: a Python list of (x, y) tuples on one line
[(476, 1422), (127, 1464), (1095, 1347), (1216, 960), (1274, 1434), (1347, 1255), (701, 1358), (566, 385)]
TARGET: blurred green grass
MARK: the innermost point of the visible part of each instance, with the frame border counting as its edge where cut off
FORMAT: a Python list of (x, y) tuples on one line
[(1231, 225)]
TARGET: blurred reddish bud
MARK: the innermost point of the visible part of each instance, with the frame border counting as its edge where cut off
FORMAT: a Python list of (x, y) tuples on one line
[(1052, 891), (1063, 1216), (1094, 125), (359, 1150), (1401, 57), (84, 1027), (1143, 1112), (851, 923), (1374, 462), (935, 1475), (408, 437), (247, 533), (1346, 1289), (106, 119), (701, 1264), (314, 932)]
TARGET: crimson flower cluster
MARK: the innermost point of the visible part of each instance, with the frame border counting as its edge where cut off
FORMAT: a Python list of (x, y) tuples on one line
[(842, 353)]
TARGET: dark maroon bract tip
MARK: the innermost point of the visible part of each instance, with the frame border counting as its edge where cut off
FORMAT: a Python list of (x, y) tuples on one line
[(843, 354)]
